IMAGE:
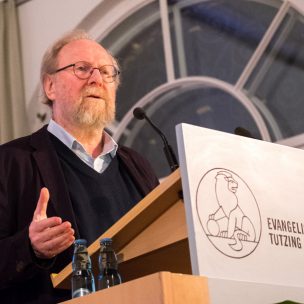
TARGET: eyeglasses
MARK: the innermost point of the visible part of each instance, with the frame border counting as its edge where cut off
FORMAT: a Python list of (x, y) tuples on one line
[(83, 70)]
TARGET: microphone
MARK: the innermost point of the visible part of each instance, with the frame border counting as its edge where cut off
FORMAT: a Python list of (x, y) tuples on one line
[(140, 114), (243, 132)]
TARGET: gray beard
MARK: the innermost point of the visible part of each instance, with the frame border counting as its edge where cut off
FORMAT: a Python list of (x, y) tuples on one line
[(94, 119)]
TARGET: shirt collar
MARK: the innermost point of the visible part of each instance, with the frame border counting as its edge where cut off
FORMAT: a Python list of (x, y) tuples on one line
[(109, 144)]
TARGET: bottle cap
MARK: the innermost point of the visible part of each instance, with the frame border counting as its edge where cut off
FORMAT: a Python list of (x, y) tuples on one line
[(80, 242), (106, 241)]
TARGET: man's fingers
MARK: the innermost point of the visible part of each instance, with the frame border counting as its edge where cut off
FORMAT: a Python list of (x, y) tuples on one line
[(51, 240), (42, 225), (49, 250), (40, 211), (53, 232), (59, 244)]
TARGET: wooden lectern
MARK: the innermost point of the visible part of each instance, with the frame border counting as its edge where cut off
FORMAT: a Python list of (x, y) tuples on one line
[(150, 238), (158, 288)]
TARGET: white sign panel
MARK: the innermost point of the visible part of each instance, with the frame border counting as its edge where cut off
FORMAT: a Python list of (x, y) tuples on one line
[(244, 202)]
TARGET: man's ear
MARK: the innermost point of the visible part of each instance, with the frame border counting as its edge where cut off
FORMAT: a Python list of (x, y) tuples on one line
[(49, 87)]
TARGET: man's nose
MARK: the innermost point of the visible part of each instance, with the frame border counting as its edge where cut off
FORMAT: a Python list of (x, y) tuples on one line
[(95, 77)]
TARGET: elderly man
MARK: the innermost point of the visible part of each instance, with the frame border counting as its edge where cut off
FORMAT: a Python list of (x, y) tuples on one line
[(69, 179)]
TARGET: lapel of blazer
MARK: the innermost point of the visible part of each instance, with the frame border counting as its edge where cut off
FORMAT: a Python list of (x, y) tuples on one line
[(49, 167)]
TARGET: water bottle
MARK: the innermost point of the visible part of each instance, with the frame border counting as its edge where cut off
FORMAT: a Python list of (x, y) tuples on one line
[(108, 274), (82, 276)]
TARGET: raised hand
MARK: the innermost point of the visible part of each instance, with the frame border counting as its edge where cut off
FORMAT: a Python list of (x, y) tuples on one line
[(49, 236)]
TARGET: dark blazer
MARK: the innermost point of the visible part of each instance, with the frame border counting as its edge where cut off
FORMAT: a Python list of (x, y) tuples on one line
[(26, 165)]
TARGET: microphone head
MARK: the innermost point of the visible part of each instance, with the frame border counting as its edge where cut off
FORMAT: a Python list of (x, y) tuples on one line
[(139, 113), (243, 132)]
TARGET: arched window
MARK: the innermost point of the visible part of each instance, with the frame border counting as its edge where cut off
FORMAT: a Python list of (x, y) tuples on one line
[(218, 64)]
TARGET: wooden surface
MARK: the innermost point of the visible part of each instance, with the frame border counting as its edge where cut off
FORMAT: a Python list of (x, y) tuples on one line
[(158, 288), (174, 258), (146, 236)]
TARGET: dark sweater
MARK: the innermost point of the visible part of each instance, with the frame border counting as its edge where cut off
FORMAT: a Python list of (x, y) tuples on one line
[(98, 199)]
